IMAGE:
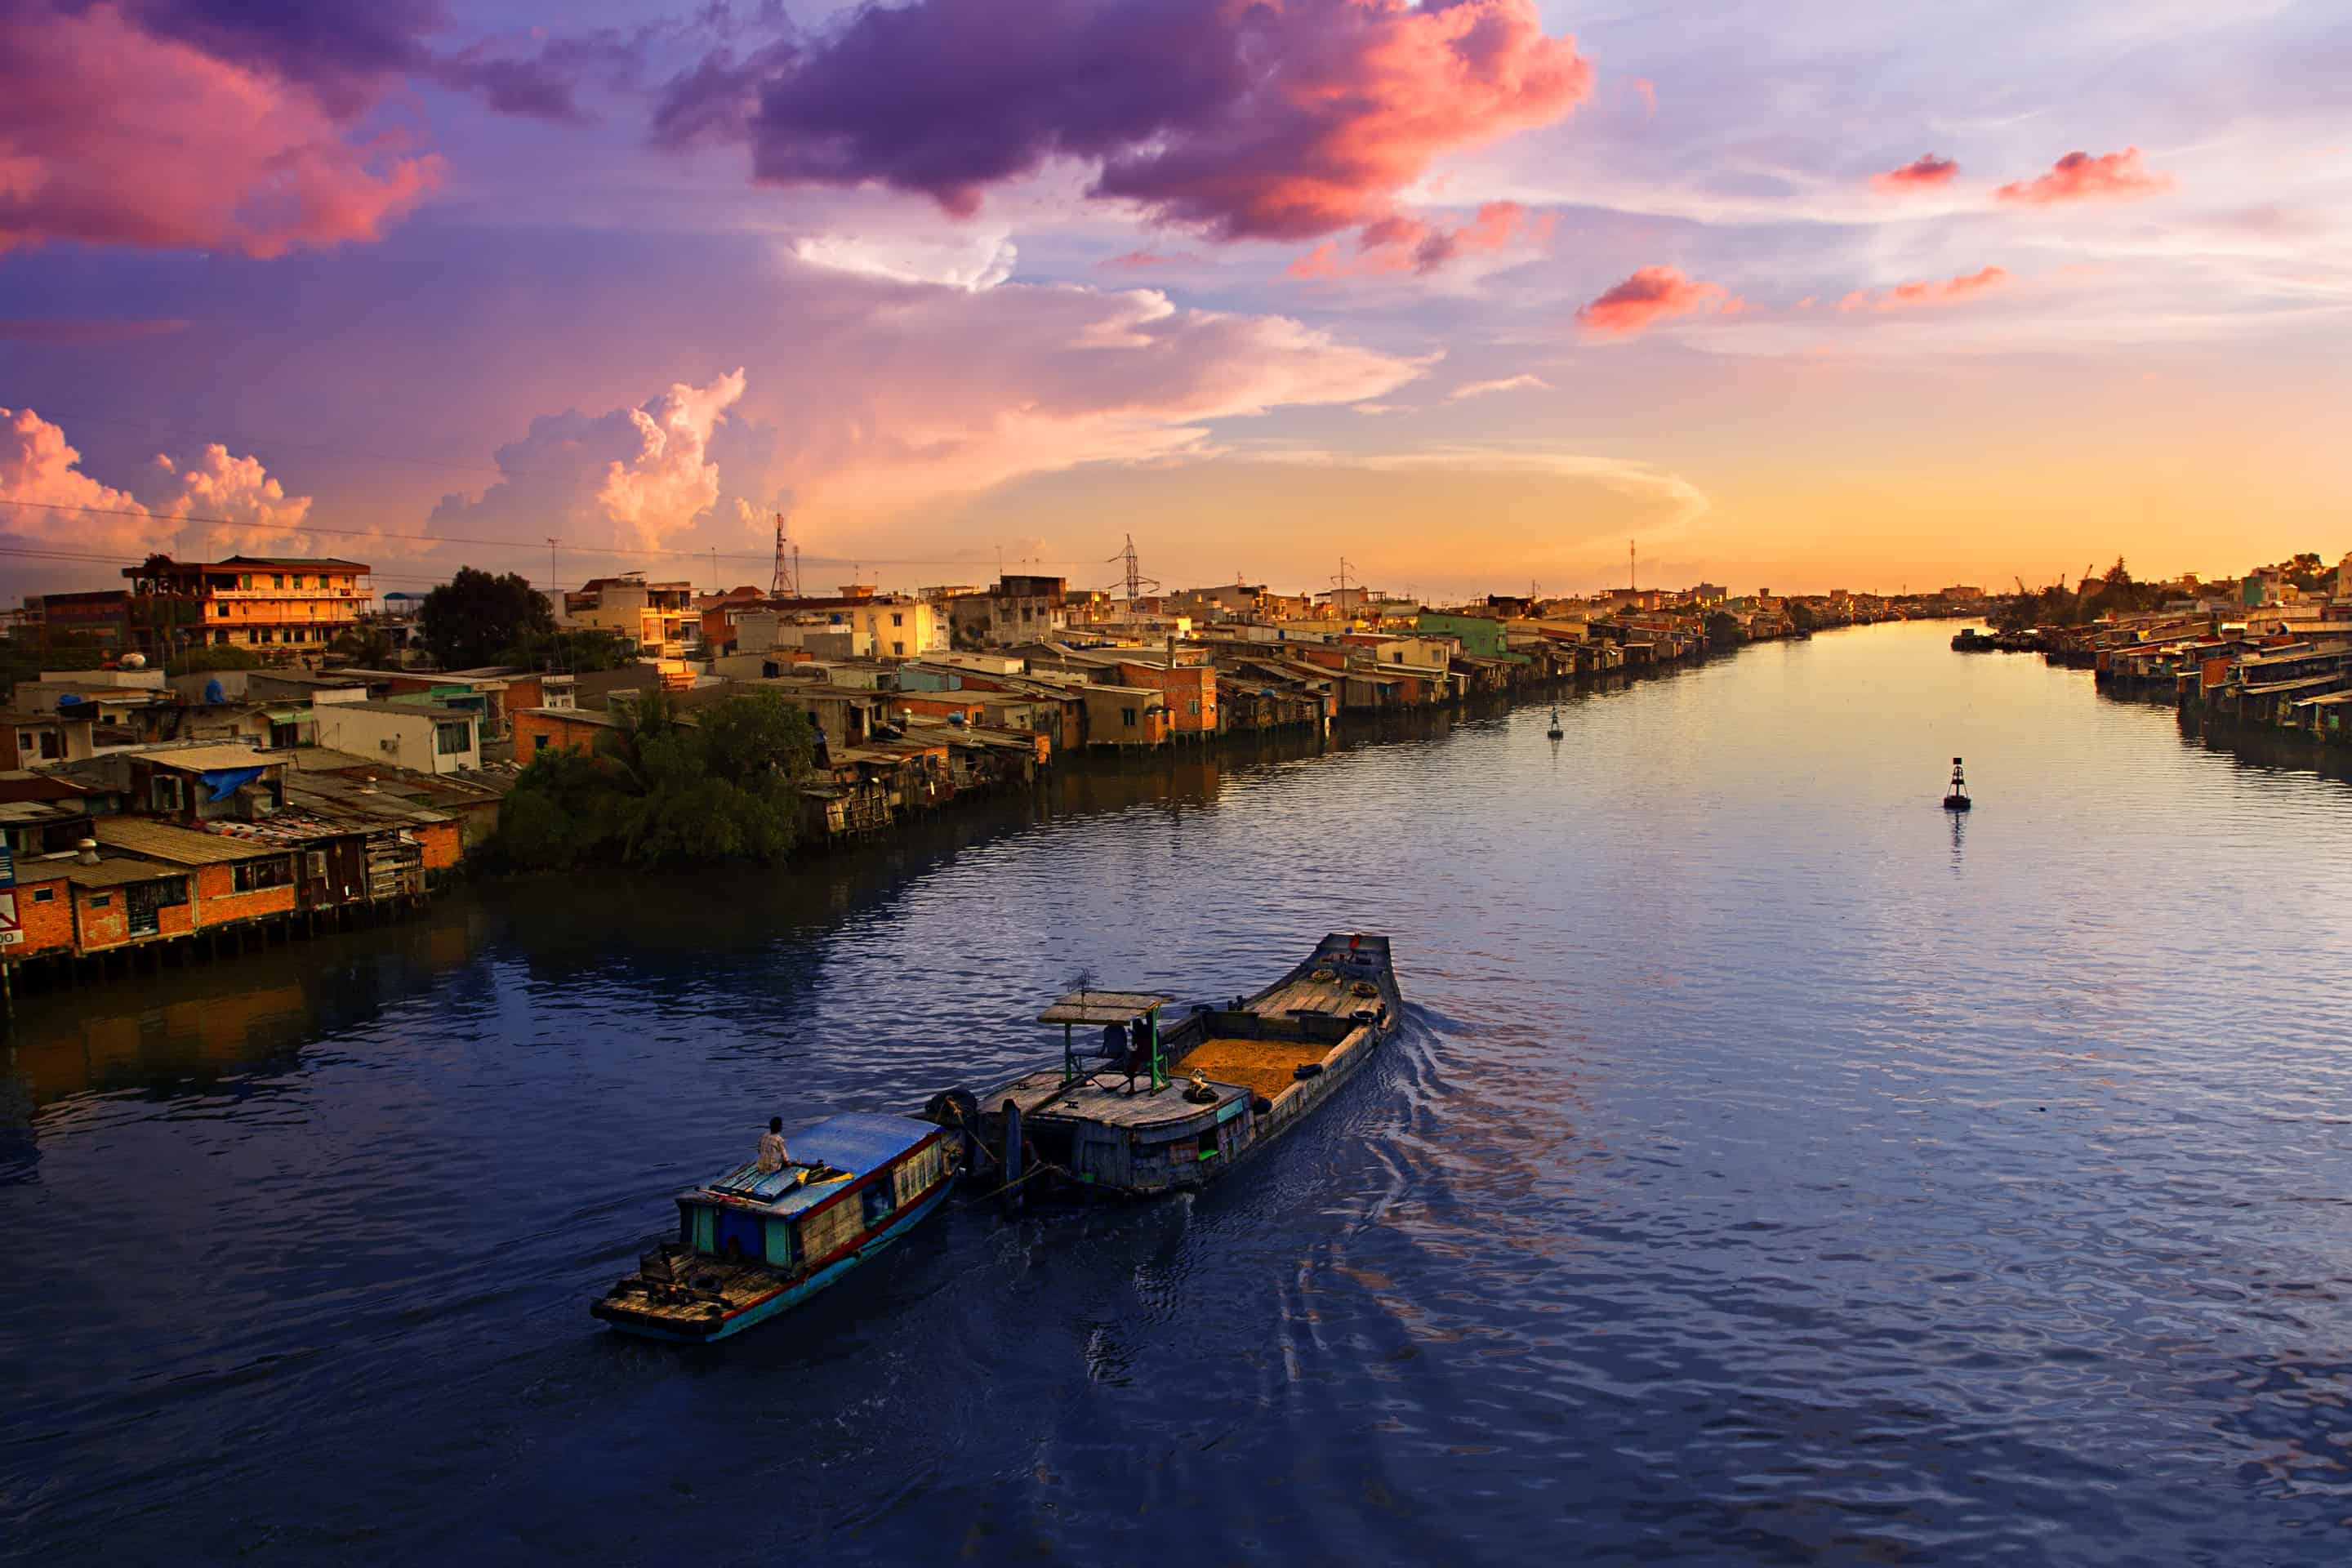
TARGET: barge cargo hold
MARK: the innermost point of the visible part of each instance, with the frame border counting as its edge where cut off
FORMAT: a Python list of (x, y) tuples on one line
[(1165, 1107), (755, 1244)]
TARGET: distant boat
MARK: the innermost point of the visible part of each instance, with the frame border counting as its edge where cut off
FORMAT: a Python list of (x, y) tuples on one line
[(1955, 798), (756, 1242), (1555, 732)]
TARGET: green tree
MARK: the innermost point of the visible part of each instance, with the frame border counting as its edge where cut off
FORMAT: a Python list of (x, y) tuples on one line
[(370, 647), (213, 656), (1802, 616), (471, 620), (662, 787), (582, 652), (1724, 631)]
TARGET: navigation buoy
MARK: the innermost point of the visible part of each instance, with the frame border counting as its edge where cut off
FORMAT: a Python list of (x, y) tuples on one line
[(1955, 798), (1555, 732)]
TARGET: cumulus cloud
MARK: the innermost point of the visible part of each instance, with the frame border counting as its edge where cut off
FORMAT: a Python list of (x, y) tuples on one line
[(1524, 383), (2080, 177), (1242, 120), (214, 503), (1651, 295), (1923, 172), (630, 479), (669, 480), (113, 134), (1906, 296)]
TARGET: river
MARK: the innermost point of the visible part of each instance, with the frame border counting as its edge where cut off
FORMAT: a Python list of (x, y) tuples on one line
[(1772, 1168)]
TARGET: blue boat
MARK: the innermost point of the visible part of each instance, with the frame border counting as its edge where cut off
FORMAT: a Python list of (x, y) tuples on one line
[(755, 1244)]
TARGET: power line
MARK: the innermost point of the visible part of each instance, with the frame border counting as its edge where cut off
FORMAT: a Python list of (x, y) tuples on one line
[(178, 520)]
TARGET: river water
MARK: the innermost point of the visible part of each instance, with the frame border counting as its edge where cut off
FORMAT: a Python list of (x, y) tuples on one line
[(1772, 1169)]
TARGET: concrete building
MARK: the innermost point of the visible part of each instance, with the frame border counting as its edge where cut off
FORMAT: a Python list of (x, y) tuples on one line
[(657, 615), (257, 602), (429, 740)]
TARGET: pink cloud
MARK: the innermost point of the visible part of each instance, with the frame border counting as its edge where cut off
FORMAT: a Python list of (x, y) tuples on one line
[(1651, 295), (1398, 244), (213, 502), (1647, 91), (1147, 260), (1908, 296), (2080, 177), (1920, 173), (115, 135), (1244, 120)]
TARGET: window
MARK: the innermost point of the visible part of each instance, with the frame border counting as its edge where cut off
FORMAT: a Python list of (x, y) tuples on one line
[(251, 636), (101, 900), (314, 864), (171, 894), (166, 792), (220, 637), (44, 895), (220, 607), (453, 740), (539, 743), (898, 650), (1126, 716), (24, 741), (267, 634), (1196, 708), (879, 1200), (253, 876), (898, 619), (244, 582), (278, 579)]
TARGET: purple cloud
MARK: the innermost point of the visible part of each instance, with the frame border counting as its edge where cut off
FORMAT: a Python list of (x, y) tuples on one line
[(1245, 120)]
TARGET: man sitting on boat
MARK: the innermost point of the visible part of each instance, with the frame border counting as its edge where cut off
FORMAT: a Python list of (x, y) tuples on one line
[(772, 1155)]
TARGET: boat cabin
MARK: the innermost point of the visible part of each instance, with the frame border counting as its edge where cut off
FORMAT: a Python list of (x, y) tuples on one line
[(754, 1243)]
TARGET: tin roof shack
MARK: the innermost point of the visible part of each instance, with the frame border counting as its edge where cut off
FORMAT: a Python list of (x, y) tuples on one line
[(36, 737), (124, 901), (847, 715), (431, 740), (119, 715), (190, 782), (1124, 716), (37, 913), (344, 865), (1256, 694), (538, 731), (32, 828), (1189, 692), (236, 882), (982, 758), (470, 800)]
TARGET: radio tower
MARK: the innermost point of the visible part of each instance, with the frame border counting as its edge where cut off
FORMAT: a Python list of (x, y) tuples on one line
[(1633, 582), (784, 586)]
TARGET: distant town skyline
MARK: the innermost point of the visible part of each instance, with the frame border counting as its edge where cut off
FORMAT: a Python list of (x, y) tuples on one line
[(1469, 292)]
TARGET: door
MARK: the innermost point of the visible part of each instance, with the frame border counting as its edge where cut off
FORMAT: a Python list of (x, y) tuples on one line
[(143, 900)]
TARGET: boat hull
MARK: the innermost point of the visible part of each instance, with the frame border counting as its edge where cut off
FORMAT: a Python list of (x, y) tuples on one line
[(1269, 1060), (786, 1297)]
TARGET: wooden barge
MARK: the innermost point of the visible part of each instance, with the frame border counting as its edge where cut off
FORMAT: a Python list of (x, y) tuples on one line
[(1158, 1107), (755, 1244)]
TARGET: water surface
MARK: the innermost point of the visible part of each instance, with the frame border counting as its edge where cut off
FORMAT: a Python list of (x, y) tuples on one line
[(1772, 1169)]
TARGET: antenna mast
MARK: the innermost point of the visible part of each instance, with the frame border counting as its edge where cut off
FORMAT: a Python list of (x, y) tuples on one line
[(786, 580), (1633, 581)]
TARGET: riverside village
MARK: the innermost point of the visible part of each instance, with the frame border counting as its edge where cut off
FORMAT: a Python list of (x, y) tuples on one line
[(227, 754)]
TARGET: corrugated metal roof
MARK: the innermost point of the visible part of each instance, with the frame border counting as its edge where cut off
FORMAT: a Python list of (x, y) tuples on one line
[(119, 873), (1102, 1006), (180, 846), (205, 759)]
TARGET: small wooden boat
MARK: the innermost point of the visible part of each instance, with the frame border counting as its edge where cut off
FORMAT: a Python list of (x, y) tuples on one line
[(1955, 798), (754, 1244), (1174, 1106)]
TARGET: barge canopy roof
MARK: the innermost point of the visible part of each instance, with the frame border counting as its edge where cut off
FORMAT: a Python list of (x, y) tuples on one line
[(853, 1144), (1102, 1006)]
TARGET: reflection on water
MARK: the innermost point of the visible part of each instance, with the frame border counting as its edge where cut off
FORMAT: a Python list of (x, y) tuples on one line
[(1773, 1166)]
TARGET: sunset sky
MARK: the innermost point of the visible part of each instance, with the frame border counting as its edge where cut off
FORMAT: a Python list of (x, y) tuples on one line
[(1797, 294)]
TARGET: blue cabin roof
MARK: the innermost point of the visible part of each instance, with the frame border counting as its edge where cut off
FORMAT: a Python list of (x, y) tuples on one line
[(856, 1141)]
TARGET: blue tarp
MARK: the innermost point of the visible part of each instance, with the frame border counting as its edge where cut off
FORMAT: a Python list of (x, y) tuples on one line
[(226, 782)]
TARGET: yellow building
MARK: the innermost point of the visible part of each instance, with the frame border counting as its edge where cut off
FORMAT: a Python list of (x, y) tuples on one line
[(255, 602)]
